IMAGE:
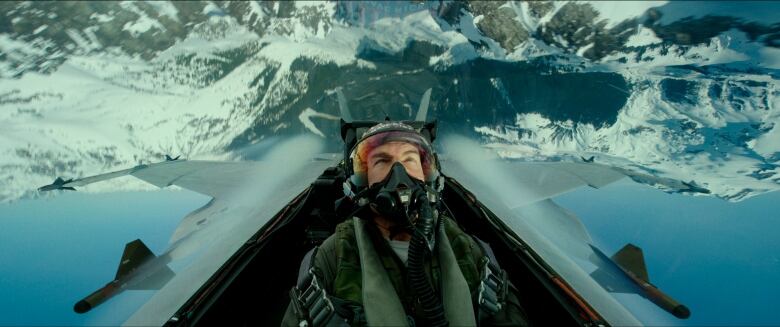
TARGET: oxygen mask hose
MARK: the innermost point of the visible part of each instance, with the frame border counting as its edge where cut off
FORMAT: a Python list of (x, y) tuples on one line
[(420, 248), (397, 198)]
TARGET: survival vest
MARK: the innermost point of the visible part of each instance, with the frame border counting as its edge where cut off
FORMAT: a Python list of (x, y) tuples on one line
[(468, 269), (348, 282), (467, 252)]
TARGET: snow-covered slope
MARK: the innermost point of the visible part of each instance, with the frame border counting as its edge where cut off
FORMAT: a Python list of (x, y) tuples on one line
[(91, 87)]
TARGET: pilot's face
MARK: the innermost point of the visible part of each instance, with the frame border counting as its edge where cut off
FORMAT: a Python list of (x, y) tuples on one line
[(382, 158)]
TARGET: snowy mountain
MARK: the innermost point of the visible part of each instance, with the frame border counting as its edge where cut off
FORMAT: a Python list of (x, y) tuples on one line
[(89, 87)]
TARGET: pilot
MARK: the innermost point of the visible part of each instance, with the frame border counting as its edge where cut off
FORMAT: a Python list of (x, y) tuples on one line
[(398, 261)]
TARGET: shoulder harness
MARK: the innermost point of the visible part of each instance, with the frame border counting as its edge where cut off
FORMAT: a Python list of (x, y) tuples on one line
[(315, 308)]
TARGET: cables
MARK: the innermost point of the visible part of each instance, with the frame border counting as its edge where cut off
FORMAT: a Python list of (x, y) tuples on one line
[(419, 250)]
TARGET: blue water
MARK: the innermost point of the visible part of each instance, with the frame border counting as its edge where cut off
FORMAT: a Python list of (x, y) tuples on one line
[(719, 258), (56, 251)]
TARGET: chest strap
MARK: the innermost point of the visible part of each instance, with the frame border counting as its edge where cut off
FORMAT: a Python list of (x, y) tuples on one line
[(380, 302), (456, 294), (493, 285), (311, 304)]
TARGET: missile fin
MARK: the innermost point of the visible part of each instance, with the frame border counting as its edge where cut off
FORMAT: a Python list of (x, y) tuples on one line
[(630, 258), (136, 253)]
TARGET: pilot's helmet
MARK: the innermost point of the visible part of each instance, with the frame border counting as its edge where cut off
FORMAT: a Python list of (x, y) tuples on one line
[(387, 132)]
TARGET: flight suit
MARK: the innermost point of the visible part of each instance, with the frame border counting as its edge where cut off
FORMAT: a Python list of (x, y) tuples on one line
[(337, 264)]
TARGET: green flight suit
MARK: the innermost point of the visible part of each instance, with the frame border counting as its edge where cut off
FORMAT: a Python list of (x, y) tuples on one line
[(338, 263)]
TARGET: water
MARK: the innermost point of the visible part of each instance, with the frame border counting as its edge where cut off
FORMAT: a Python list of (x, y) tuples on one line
[(699, 107), (56, 251), (718, 258)]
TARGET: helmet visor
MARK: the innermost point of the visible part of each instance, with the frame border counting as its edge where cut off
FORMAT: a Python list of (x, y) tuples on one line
[(363, 149)]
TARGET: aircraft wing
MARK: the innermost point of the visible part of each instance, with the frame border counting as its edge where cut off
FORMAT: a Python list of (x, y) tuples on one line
[(246, 195), (211, 235), (219, 179), (102, 177), (213, 178), (520, 194), (517, 184)]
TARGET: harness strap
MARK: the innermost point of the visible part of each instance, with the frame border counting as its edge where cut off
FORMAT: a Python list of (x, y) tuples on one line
[(306, 264), (311, 304), (456, 295), (487, 250), (380, 301), (493, 286)]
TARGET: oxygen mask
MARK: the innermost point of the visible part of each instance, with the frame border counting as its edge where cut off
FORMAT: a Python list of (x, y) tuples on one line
[(405, 201), (395, 195)]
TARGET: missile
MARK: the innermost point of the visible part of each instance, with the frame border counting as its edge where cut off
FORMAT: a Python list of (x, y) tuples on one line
[(58, 184), (98, 297), (139, 269), (630, 262), (660, 298)]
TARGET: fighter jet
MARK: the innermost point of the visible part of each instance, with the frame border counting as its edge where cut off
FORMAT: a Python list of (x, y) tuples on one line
[(168, 158), (237, 257)]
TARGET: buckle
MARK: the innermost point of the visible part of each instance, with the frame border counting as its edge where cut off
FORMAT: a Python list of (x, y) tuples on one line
[(312, 302), (492, 288)]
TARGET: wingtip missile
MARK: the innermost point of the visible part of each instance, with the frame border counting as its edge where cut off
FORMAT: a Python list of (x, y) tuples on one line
[(139, 269), (82, 306), (97, 297), (631, 260), (58, 184)]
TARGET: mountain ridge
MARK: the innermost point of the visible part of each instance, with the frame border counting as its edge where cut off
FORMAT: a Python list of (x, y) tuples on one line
[(207, 79)]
